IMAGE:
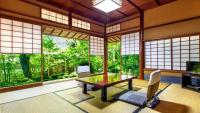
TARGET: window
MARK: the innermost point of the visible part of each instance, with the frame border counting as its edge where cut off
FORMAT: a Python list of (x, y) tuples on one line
[(53, 16), (113, 28), (96, 45), (19, 37), (158, 54), (80, 24), (185, 49), (172, 53), (130, 53), (130, 44)]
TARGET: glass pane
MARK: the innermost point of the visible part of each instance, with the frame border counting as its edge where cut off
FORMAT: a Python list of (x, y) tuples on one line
[(19, 69), (114, 57), (63, 56), (130, 64)]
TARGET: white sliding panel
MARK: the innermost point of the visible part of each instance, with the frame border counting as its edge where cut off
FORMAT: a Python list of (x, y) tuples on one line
[(167, 45), (96, 45), (185, 52), (130, 44), (19, 37)]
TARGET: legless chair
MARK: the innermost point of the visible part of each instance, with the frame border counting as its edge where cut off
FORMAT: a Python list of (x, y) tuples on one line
[(141, 99), (84, 71)]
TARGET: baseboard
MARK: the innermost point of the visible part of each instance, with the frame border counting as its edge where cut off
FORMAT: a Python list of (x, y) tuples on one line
[(13, 88)]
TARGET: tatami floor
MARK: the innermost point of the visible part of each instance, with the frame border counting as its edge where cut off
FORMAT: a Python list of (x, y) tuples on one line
[(67, 97)]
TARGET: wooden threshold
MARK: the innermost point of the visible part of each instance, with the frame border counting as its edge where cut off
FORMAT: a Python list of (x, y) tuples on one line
[(13, 88)]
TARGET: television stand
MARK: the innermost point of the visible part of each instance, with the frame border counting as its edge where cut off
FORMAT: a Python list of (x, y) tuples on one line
[(191, 81)]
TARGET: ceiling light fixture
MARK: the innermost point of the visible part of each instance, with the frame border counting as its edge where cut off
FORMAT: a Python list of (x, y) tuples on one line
[(107, 5)]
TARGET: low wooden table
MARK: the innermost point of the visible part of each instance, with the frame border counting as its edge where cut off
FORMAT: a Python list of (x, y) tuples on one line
[(104, 81)]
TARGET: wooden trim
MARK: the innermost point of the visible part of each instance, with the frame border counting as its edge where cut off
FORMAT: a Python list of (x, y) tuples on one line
[(89, 60), (122, 30), (157, 2), (174, 36), (125, 31), (174, 22), (40, 23), (141, 49), (102, 13), (42, 58), (87, 31), (124, 20), (134, 5), (41, 4), (20, 19), (13, 88), (105, 52), (165, 70), (124, 14), (120, 56)]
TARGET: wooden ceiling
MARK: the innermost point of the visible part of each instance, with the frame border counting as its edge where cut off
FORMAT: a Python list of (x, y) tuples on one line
[(86, 9)]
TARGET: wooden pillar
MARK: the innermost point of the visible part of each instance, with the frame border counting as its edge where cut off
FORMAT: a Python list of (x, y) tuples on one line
[(105, 69), (70, 20), (142, 55)]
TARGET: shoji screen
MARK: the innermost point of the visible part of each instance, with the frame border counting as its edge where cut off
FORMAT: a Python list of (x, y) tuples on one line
[(80, 24), (113, 28), (176, 53), (161, 54), (158, 54), (147, 54), (19, 37), (172, 53), (185, 49), (154, 54), (130, 44), (53, 16), (96, 45), (194, 48), (167, 56)]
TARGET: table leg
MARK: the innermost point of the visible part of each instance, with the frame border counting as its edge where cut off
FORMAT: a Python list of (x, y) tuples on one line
[(130, 85), (104, 93), (84, 88)]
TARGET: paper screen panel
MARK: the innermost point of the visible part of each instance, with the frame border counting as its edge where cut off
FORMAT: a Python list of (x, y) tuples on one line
[(54, 16), (80, 24), (96, 45), (17, 37), (130, 44)]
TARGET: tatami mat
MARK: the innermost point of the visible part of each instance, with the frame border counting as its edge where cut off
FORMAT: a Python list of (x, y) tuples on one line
[(142, 83), (111, 91), (95, 105), (72, 100), (36, 91), (74, 95), (49, 103)]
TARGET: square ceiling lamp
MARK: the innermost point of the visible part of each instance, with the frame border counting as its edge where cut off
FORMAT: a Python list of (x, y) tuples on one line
[(107, 5)]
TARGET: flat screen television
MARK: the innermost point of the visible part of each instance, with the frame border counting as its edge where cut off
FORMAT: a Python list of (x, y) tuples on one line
[(193, 66)]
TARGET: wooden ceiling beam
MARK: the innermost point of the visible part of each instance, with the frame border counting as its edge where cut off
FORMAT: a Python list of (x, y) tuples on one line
[(83, 37), (73, 36), (124, 14), (79, 36), (68, 9), (134, 5), (75, 2), (158, 2), (67, 34)]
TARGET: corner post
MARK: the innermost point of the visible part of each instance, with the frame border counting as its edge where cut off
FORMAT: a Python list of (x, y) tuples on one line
[(105, 52), (141, 36)]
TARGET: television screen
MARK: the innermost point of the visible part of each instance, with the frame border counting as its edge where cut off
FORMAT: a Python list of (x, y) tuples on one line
[(193, 66)]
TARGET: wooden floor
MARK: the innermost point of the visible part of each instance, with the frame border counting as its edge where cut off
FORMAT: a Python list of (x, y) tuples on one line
[(174, 99)]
